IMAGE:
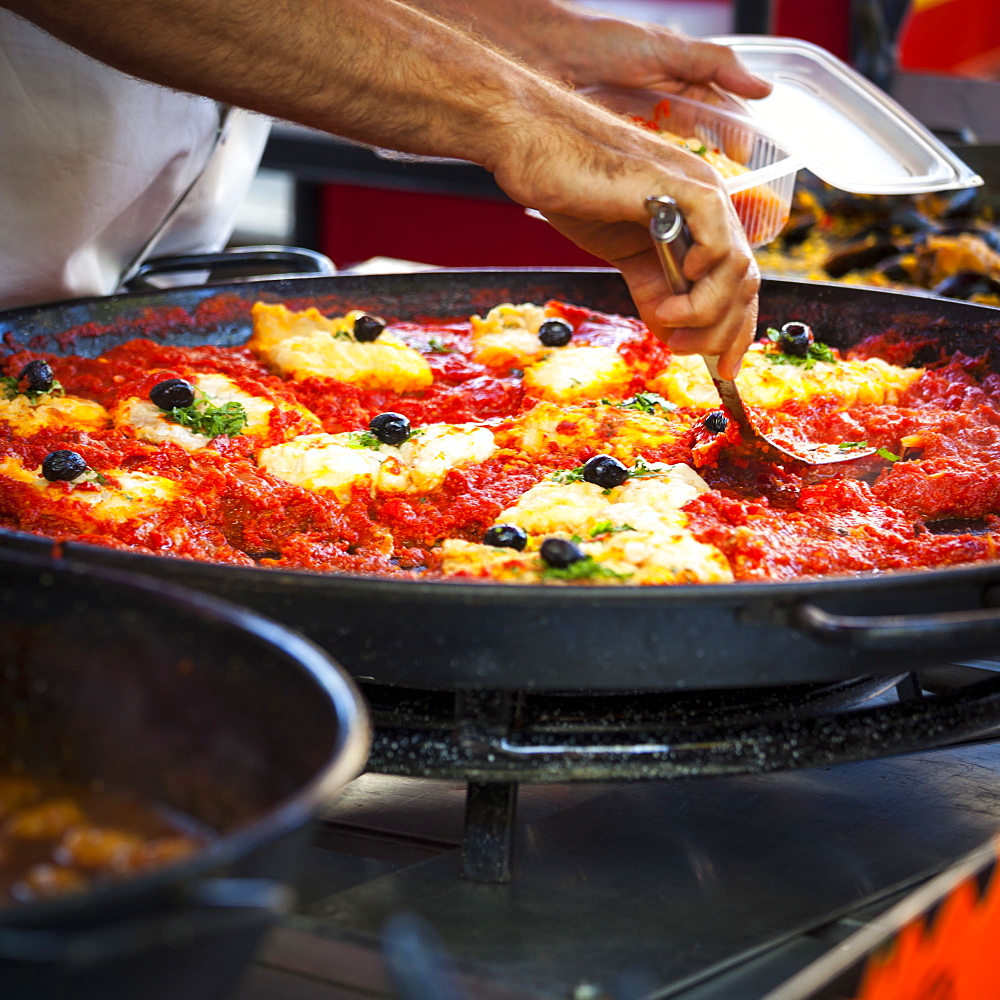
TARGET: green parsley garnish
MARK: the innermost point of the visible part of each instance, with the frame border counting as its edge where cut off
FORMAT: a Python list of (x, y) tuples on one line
[(647, 402), (815, 352), (644, 470), (607, 528), (587, 568), (92, 476), (852, 445), (364, 439), (566, 476), (437, 346), (206, 418), (10, 390), (886, 454), (641, 470)]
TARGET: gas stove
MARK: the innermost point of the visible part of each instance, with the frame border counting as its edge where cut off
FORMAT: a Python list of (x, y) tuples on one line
[(720, 883)]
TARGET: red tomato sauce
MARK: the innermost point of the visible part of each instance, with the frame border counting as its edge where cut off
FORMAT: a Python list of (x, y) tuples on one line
[(771, 524)]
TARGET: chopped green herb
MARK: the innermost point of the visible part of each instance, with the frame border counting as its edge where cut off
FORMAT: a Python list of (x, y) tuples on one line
[(204, 417), (364, 439), (10, 390), (566, 476), (646, 402), (587, 568), (699, 148), (644, 470), (92, 476), (816, 352), (886, 454), (852, 445), (607, 528), (437, 346)]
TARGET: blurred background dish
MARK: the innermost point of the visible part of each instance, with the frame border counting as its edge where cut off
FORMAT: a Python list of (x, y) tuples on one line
[(237, 727)]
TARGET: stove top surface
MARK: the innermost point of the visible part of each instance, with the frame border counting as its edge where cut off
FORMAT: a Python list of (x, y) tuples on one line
[(699, 889)]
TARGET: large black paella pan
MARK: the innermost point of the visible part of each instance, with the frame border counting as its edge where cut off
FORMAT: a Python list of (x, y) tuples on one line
[(451, 635)]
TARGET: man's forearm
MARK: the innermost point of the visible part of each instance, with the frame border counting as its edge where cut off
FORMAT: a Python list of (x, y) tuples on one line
[(377, 71), (526, 28), (383, 72)]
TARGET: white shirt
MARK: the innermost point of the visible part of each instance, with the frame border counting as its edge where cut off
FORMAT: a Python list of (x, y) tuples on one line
[(99, 170)]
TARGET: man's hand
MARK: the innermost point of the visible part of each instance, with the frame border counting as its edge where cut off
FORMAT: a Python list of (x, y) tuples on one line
[(590, 175), (585, 48)]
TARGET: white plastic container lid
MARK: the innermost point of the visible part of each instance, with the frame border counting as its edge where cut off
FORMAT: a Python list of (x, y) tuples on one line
[(848, 132)]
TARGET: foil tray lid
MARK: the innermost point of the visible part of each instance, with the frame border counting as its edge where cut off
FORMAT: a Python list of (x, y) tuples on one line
[(845, 129)]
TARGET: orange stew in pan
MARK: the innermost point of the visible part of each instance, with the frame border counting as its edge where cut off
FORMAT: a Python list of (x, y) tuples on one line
[(57, 838)]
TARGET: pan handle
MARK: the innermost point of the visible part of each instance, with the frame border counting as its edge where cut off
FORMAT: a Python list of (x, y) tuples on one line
[(207, 909), (944, 630), (251, 263)]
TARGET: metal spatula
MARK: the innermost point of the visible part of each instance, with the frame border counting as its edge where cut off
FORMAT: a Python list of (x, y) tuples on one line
[(672, 241)]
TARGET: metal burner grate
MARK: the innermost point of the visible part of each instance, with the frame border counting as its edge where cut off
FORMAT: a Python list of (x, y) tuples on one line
[(496, 739)]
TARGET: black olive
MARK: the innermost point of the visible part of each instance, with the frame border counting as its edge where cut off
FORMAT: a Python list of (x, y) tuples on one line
[(604, 471), (555, 333), (390, 428), (172, 393), (559, 553), (716, 422), (506, 536), (38, 374), (795, 339), (62, 466), (367, 328)]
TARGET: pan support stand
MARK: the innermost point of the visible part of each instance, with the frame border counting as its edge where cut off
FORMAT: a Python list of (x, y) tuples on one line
[(484, 718), (908, 688)]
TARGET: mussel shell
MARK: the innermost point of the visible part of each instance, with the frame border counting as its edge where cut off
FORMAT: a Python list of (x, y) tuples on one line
[(989, 235), (950, 205), (910, 219), (798, 228), (965, 284), (894, 269), (961, 205), (858, 257)]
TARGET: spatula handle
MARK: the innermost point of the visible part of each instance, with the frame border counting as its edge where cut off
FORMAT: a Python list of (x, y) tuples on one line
[(672, 239)]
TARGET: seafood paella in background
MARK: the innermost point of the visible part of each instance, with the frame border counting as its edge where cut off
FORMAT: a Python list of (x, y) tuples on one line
[(947, 243), (539, 442)]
